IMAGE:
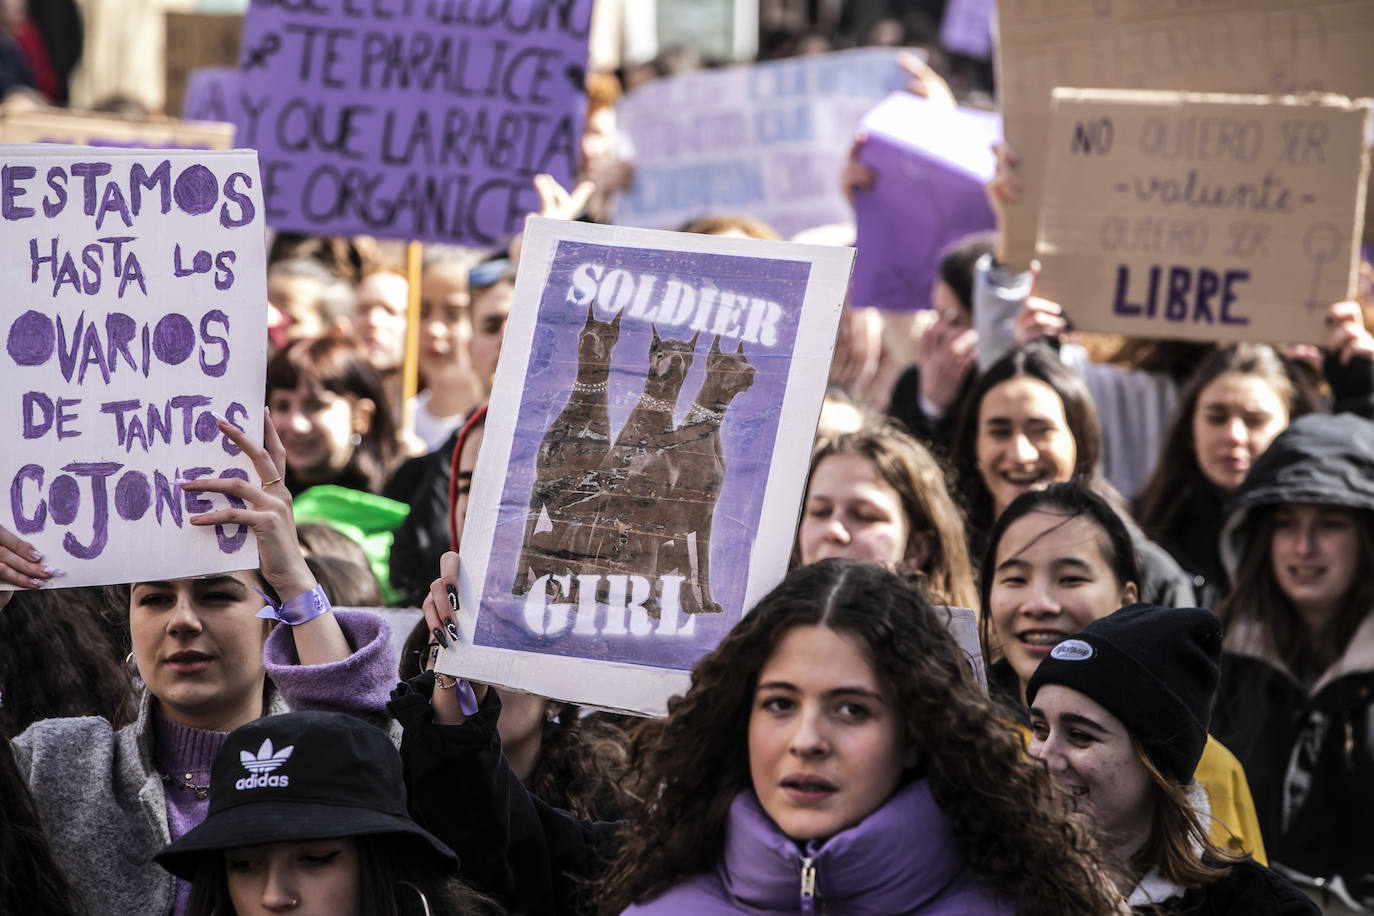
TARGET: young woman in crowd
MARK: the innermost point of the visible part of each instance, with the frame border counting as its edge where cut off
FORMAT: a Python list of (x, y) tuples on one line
[(1240, 398), (451, 387), (1119, 714), (1296, 702), (329, 408), (929, 397), (321, 829), (877, 495), (833, 753), (210, 662), (1030, 423), (1058, 559)]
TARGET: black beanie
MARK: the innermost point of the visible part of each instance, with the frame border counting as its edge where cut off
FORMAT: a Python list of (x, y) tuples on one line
[(1156, 669)]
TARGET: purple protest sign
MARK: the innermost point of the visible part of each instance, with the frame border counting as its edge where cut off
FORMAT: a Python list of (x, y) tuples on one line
[(930, 163), (645, 451), (212, 94), (421, 121)]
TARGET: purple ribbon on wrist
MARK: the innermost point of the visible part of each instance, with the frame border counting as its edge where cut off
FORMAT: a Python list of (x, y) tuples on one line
[(297, 610)]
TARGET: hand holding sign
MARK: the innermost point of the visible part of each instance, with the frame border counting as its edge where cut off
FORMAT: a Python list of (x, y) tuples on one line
[(1349, 337), (266, 509), (21, 565)]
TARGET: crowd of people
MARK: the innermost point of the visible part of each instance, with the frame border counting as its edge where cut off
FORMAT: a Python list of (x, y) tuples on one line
[(1165, 544)]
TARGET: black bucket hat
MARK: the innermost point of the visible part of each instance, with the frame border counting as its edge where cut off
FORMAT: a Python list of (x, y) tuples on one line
[(304, 776)]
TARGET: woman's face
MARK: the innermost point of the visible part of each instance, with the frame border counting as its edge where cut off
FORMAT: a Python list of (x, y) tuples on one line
[(1315, 552), (1024, 441), (1052, 579), (199, 648), (1236, 418), (315, 878), (316, 427), (445, 324), (1088, 750), (379, 317), (852, 512), (826, 745), (490, 309)]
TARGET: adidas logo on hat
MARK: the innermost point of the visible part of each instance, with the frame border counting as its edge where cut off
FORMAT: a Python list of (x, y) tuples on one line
[(262, 764)]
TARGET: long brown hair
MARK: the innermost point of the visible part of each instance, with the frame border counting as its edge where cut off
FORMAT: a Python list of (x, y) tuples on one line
[(1179, 841), (931, 515), (1177, 471), (1007, 815), (1256, 597)]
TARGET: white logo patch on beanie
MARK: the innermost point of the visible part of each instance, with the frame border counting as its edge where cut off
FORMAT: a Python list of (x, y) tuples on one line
[(1072, 650)]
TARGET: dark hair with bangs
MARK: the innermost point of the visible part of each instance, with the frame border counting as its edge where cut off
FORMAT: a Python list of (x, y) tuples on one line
[(340, 367)]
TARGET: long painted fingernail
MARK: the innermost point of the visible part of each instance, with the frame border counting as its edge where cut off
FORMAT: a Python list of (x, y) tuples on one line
[(37, 583), (35, 556), (452, 630), (453, 598), (440, 637), (54, 571)]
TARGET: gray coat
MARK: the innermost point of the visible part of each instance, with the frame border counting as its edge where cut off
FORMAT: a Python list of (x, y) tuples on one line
[(101, 799)]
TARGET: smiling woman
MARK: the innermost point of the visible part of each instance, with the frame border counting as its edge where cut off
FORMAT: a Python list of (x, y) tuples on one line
[(1119, 715), (1298, 662), (211, 659)]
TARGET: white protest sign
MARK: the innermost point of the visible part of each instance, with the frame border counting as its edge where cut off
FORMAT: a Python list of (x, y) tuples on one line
[(644, 457), (134, 312), (86, 128), (768, 140), (1250, 46), (1204, 217)]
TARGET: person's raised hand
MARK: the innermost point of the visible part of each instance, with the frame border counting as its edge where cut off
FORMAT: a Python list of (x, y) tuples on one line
[(1349, 337), (1004, 191), (21, 565), (925, 82), (440, 608), (947, 355), (856, 176), (264, 507)]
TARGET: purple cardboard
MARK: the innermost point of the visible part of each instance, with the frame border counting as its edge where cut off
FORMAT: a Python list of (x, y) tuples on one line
[(420, 121), (212, 94), (930, 164)]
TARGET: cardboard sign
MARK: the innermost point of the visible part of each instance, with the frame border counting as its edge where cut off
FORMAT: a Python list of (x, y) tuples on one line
[(1203, 217), (930, 163), (197, 40), (55, 125), (1252, 46), (212, 94), (133, 313), (644, 458), (420, 121), (768, 140)]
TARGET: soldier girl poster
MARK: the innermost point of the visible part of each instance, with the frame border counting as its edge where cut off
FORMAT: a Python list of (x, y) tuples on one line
[(644, 458)]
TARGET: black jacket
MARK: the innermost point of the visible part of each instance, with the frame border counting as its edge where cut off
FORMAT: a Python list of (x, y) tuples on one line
[(937, 433), (1249, 889), (1307, 744), (532, 858)]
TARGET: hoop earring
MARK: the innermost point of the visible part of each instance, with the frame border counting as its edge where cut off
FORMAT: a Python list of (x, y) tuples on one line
[(131, 663), (424, 901)]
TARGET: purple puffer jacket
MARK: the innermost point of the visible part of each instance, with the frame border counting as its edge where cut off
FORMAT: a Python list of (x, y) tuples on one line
[(901, 860)]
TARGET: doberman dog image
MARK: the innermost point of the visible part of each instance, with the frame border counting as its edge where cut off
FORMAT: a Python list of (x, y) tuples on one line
[(575, 445), (615, 518), (697, 471)]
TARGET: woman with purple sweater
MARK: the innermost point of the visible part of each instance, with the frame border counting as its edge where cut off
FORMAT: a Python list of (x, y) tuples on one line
[(212, 658)]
